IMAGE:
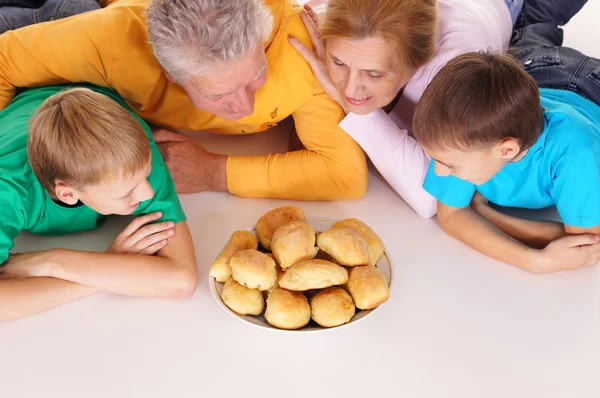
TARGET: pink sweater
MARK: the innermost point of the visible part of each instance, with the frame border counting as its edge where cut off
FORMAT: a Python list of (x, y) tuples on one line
[(464, 26)]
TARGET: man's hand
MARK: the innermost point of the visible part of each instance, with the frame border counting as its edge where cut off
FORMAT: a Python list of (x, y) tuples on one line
[(26, 265), (192, 167), (570, 252), (141, 237)]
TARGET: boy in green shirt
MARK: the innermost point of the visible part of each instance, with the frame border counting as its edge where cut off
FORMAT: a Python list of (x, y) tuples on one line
[(68, 159)]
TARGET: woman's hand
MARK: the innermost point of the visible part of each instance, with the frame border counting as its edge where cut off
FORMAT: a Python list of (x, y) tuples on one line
[(316, 57)]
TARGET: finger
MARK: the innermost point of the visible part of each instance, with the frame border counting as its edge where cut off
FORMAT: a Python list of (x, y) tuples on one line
[(140, 222), (312, 14), (163, 135), (306, 53), (583, 240), (154, 248), (312, 27), (148, 230), (153, 239)]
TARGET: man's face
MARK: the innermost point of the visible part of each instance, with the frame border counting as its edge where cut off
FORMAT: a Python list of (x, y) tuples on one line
[(228, 92)]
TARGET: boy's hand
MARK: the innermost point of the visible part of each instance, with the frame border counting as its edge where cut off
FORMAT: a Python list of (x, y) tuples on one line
[(478, 202), (141, 237), (26, 265), (570, 252)]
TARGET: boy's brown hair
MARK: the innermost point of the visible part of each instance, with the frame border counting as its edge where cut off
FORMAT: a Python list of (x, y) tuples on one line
[(409, 26), (477, 100), (82, 137)]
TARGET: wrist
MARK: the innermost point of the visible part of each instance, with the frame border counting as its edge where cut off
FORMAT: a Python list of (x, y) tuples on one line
[(532, 260), (219, 178)]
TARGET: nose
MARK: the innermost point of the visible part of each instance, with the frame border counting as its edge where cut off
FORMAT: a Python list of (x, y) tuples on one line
[(353, 85), (243, 102), (143, 192), (441, 170)]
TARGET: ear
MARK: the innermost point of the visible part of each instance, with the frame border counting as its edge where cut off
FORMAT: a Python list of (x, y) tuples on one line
[(169, 77), (509, 149), (65, 193)]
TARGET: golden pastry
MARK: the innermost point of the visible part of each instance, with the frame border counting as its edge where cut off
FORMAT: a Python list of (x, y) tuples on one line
[(294, 242), (374, 242), (253, 269), (332, 307), (287, 310), (368, 287), (346, 245), (242, 300), (280, 274), (240, 240), (270, 221), (313, 274)]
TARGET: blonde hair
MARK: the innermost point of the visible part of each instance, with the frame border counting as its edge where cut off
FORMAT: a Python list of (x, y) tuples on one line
[(82, 137), (409, 26)]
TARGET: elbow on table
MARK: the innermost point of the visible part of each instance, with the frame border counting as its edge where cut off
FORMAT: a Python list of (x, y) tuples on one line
[(352, 182), (183, 284)]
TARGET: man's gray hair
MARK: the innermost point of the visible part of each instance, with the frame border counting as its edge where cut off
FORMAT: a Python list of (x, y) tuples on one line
[(190, 36)]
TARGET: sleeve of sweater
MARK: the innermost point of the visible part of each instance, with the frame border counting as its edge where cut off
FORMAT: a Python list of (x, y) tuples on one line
[(397, 156)]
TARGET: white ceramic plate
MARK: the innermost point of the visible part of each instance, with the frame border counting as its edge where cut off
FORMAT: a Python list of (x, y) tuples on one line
[(320, 225)]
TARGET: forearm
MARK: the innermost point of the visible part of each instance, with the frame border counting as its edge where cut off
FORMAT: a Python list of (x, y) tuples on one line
[(397, 156), (485, 237), (126, 274), (299, 175), (535, 234), (23, 297)]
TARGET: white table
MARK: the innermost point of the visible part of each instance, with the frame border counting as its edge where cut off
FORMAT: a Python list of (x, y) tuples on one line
[(457, 324)]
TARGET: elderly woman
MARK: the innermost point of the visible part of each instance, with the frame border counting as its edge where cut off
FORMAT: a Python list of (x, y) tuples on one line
[(376, 57)]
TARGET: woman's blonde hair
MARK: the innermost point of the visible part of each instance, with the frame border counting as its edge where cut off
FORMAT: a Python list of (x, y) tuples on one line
[(409, 26), (82, 137)]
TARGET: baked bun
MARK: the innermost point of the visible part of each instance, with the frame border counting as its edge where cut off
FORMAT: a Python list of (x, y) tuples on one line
[(253, 269), (242, 300), (313, 274), (270, 221), (287, 310), (332, 307), (374, 242), (240, 240), (294, 242), (368, 287), (347, 246), (280, 274)]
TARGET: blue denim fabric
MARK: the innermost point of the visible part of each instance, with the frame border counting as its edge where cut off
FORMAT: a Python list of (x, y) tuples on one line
[(12, 17), (514, 7), (537, 44)]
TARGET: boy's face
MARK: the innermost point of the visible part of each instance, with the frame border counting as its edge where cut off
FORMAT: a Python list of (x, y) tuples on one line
[(120, 196), (477, 167)]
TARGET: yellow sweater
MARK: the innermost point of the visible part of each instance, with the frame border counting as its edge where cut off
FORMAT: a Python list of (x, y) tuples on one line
[(110, 47)]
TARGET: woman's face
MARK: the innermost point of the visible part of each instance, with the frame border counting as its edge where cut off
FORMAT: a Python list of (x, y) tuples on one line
[(367, 72)]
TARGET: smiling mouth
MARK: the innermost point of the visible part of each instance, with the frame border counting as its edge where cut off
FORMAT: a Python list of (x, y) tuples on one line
[(358, 100)]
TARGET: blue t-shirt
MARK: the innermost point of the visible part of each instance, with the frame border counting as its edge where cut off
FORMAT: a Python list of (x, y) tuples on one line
[(561, 169)]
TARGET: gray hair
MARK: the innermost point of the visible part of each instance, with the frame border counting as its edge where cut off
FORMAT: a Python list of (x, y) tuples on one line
[(190, 36)]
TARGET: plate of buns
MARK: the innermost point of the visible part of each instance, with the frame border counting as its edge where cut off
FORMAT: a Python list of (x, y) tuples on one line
[(290, 272)]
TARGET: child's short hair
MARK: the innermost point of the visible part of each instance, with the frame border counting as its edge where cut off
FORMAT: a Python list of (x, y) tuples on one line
[(476, 101), (82, 137)]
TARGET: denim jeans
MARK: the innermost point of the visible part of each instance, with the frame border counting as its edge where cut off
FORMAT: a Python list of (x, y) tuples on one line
[(514, 7), (537, 43), (18, 13)]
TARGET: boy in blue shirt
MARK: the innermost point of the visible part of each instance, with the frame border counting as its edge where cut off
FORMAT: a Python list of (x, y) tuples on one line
[(494, 136)]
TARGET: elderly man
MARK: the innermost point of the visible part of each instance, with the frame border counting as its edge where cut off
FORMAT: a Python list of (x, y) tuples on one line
[(220, 66)]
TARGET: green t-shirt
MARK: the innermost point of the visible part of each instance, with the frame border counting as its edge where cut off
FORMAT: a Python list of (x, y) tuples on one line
[(26, 206)]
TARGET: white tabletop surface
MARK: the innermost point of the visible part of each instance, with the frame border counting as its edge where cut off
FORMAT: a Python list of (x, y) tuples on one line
[(457, 324)]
